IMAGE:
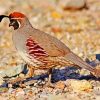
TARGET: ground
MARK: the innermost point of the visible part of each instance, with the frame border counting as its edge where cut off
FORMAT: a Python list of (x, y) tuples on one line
[(78, 29)]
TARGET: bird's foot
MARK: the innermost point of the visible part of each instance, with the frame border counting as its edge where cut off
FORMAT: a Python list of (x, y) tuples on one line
[(49, 84)]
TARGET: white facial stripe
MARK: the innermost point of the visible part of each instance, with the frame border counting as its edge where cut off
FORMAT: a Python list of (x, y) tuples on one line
[(19, 24)]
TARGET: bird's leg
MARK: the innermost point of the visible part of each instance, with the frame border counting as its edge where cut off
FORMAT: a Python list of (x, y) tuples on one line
[(30, 72), (28, 75), (49, 78)]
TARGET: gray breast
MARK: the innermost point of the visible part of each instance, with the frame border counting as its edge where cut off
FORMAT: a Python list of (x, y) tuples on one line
[(19, 40)]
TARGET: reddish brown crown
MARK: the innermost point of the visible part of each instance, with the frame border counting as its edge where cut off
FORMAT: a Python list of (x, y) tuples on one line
[(16, 15)]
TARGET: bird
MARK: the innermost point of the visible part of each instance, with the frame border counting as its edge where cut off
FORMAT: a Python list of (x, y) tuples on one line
[(41, 50)]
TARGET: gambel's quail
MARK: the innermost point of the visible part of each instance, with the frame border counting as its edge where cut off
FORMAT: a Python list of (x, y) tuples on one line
[(41, 50)]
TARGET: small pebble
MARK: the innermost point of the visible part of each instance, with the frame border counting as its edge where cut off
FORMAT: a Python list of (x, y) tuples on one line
[(96, 90), (10, 85), (60, 85)]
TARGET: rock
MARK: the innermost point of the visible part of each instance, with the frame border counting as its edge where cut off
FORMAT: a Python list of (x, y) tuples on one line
[(11, 71), (10, 85), (97, 98), (73, 4), (1, 80), (96, 90), (20, 92), (84, 72), (55, 97), (49, 89), (21, 75), (60, 85), (78, 85), (3, 89)]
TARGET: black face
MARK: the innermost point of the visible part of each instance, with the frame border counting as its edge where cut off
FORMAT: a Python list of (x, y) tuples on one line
[(14, 23)]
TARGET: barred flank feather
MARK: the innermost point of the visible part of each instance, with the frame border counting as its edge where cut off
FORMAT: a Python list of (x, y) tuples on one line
[(34, 49)]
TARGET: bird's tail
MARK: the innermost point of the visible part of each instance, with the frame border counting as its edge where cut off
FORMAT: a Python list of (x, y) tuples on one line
[(78, 61)]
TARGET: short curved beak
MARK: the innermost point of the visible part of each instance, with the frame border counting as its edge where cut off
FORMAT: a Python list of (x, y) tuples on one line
[(11, 24)]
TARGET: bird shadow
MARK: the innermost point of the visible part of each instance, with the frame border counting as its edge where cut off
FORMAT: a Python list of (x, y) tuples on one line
[(98, 56), (62, 75), (59, 75)]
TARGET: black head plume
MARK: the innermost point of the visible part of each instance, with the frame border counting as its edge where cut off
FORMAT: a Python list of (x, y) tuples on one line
[(2, 16)]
